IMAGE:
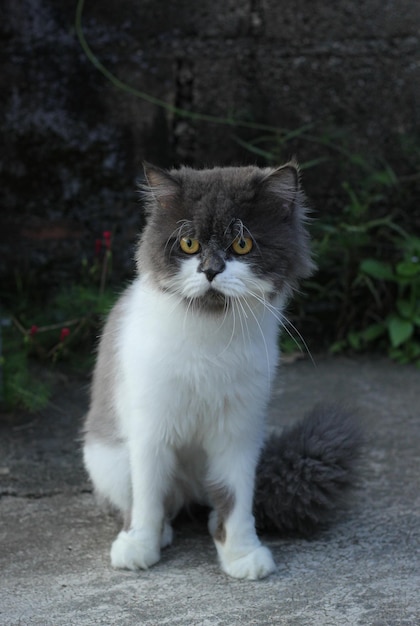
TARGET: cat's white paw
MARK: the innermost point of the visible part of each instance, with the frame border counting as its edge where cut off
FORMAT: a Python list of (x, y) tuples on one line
[(254, 565), (134, 550)]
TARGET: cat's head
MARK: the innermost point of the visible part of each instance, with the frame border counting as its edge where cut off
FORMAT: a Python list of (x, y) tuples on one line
[(222, 233)]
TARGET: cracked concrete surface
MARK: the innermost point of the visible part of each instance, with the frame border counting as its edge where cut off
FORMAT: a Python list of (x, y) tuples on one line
[(364, 570)]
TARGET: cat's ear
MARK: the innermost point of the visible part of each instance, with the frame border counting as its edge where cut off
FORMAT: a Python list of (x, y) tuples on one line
[(283, 182), (160, 187)]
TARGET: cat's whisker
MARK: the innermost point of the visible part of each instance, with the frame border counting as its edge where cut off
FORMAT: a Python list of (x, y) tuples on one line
[(226, 308), (243, 315), (267, 305), (229, 226), (190, 305), (232, 333), (262, 298), (183, 223), (258, 286), (173, 296), (236, 307), (262, 336), (174, 236), (237, 226), (245, 229), (175, 306), (182, 229), (283, 320), (230, 243), (299, 335)]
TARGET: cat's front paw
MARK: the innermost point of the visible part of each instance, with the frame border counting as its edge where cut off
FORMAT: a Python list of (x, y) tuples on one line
[(134, 550), (254, 565)]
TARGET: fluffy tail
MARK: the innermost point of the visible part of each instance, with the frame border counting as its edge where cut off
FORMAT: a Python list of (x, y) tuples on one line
[(306, 473)]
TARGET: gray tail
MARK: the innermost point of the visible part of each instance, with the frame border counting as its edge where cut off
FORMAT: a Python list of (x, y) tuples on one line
[(306, 473)]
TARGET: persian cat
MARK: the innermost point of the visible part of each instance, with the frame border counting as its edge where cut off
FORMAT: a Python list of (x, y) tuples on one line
[(185, 366)]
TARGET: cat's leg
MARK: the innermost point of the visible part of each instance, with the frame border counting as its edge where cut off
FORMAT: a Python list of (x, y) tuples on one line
[(109, 469), (167, 534), (231, 488), (139, 546)]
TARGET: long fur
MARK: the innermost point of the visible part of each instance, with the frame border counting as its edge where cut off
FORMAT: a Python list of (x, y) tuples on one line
[(184, 371), (306, 474)]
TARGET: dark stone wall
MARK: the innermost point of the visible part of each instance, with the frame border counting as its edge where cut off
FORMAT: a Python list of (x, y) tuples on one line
[(73, 143)]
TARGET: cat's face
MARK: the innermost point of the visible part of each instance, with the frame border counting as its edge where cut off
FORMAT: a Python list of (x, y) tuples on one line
[(224, 233)]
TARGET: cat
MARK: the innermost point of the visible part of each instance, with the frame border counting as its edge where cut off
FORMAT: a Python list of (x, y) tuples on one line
[(185, 366)]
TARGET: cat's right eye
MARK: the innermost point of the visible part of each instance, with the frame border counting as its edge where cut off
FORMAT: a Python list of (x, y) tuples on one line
[(242, 245), (189, 245)]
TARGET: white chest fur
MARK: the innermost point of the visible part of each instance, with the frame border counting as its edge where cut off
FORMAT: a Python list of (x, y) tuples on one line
[(184, 373)]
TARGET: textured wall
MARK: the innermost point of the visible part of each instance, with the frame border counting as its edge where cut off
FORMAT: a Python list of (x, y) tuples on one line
[(74, 143)]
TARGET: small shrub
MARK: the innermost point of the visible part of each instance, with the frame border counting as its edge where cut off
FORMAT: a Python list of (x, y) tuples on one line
[(63, 331)]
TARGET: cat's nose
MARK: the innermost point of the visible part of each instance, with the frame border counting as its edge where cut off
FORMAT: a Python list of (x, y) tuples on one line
[(211, 267), (211, 273)]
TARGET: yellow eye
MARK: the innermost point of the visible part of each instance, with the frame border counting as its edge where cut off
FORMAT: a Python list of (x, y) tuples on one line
[(189, 246), (242, 245)]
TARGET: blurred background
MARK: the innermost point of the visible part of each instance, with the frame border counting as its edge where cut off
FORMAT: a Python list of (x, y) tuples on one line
[(91, 89)]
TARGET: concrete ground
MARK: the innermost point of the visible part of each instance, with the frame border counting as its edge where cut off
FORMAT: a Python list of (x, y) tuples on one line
[(364, 570)]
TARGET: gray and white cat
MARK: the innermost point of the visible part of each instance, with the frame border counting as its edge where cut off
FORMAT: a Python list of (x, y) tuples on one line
[(186, 362)]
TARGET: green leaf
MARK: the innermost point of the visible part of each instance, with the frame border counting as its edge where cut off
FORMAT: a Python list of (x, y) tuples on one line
[(405, 309), (377, 269), (399, 330), (338, 346), (373, 331), (414, 349), (408, 269), (358, 159), (354, 340), (386, 177), (411, 245), (396, 354)]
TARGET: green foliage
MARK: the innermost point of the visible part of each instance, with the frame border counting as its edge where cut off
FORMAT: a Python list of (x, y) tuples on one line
[(375, 300), (63, 331), (401, 325), (20, 388)]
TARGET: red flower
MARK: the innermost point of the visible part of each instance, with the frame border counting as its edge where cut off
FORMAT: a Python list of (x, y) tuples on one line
[(98, 246), (107, 239), (34, 330), (65, 332)]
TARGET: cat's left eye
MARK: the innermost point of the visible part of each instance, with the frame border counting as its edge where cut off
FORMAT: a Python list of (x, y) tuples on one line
[(189, 245), (242, 245)]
